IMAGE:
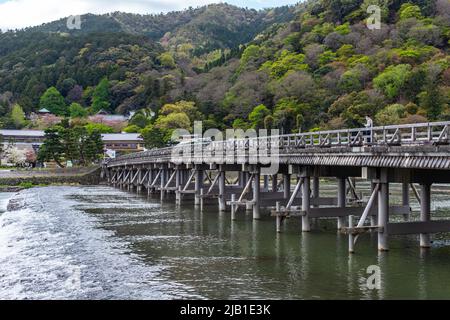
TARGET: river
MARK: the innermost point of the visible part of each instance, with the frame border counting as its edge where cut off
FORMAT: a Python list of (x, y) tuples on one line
[(102, 243)]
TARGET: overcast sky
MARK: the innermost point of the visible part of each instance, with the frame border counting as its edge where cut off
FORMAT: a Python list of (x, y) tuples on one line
[(25, 13)]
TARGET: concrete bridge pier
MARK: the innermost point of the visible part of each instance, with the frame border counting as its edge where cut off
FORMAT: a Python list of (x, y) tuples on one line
[(315, 195), (342, 201), (306, 200), (140, 182), (151, 176), (199, 177), (383, 211), (274, 187), (163, 182), (178, 184), (129, 180), (256, 172), (405, 199), (373, 219), (316, 189), (243, 179), (287, 185), (425, 213), (222, 186), (266, 183)]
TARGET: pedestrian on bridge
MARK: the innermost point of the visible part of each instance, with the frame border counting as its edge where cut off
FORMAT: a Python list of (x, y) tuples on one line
[(368, 134)]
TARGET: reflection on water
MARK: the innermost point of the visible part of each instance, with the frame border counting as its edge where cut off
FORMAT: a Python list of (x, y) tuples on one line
[(119, 237)]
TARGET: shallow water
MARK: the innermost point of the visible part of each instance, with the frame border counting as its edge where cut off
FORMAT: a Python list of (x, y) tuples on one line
[(102, 243)]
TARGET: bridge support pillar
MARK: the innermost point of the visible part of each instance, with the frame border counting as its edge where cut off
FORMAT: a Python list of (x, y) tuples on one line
[(383, 216), (242, 179), (425, 213), (178, 178), (266, 183), (163, 182), (199, 176), (306, 197), (130, 185), (342, 201), (222, 195), (274, 183), (316, 189), (405, 199), (139, 182), (373, 218), (287, 186), (178, 183), (257, 195), (149, 181)]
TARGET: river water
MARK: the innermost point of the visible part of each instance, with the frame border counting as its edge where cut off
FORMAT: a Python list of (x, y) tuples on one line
[(103, 243)]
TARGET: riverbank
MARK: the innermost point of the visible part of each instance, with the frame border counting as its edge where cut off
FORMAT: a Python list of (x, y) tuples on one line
[(17, 180)]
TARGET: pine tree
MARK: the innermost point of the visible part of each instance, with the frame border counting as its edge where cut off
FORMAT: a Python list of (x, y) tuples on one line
[(52, 149)]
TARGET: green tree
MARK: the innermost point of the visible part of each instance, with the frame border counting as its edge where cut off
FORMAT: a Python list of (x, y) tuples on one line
[(241, 124), (153, 137), (350, 81), (177, 120), (132, 129), (140, 120), (258, 115), (166, 59), (409, 10), (285, 115), (287, 61), (98, 127), (53, 101), (52, 149), (393, 79), (100, 96), (432, 100), (390, 115), (269, 122), (18, 117), (250, 54), (93, 147), (186, 107), (77, 111)]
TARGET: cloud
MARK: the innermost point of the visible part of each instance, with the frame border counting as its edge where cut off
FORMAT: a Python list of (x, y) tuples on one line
[(24, 13)]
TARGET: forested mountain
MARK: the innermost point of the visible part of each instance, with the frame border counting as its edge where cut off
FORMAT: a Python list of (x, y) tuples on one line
[(313, 65), (216, 26)]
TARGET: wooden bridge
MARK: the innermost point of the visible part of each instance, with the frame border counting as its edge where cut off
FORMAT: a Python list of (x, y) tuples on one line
[(280, 176)]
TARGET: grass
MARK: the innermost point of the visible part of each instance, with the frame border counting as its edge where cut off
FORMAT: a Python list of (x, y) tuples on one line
[(24, 185)]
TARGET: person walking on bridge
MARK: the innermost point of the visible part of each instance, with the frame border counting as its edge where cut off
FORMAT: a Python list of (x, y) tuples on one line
[(369, 132)]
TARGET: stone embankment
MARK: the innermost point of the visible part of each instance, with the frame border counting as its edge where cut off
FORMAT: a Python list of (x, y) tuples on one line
[(14, 180)]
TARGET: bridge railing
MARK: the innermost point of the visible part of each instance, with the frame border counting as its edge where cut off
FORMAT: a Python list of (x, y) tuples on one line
[(436, 133), (398, 135), (411, 134)]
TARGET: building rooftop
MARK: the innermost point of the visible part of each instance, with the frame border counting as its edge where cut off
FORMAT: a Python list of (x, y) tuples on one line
[(40, 134), (122, 137), (22, 133), (44, 111), (109, 117)]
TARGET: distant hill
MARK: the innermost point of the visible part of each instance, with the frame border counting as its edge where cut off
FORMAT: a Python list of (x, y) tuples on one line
[(207, 28)]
